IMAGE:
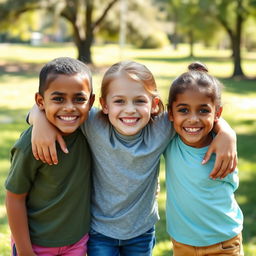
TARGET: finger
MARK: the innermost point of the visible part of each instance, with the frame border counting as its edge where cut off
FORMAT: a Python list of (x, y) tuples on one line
[(234, 164), (47, 156), (34, 151), (224, 170), (231, 168), (62, 143), (215, 171), (53, 154), (224, 174), (207, 156), (41, 154)]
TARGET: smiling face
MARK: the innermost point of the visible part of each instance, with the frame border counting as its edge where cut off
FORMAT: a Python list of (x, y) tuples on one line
[(193, 115), (66, 102), (128, 105)]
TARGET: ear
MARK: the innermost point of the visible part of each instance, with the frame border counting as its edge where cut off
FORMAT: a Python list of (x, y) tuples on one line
[(170, 115), (39, 101), (104, 106), (155, 106), (218, 113), (92, 99)]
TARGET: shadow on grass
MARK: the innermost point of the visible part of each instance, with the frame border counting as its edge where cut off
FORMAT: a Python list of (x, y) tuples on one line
[(245, 145), (247, 189), (28, 70), (12, 121), (184, 59), (239, 86)]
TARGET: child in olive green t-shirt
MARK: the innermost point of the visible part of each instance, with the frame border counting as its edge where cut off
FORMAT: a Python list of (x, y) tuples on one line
[(53, 202)]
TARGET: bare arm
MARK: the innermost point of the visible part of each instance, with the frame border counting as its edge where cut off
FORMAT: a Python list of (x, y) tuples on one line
[(17, 217), (44, 136), (224, 145)]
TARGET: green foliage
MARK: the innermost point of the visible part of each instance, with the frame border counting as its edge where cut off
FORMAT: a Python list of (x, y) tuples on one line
[(143, 27), (19, 69)]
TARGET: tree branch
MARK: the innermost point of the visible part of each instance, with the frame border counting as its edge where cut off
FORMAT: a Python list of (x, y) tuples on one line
[(105, 12)]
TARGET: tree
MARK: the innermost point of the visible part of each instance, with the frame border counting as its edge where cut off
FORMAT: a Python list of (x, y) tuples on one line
[(143, 25), (231, 14), (186, 17), (80, 13)]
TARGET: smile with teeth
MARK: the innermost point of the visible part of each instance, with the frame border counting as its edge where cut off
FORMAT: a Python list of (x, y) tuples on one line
[(129, 121), (68, 118), (192, 129)]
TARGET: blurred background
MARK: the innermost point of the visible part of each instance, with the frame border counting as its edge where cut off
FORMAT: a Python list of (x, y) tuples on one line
[(165, 35)]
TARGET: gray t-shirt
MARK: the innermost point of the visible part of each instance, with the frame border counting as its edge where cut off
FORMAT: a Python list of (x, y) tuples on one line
[(125, 171)]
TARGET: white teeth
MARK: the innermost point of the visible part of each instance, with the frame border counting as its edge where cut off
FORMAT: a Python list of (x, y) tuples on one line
[(68, 118), (129, 121), (192, 129)]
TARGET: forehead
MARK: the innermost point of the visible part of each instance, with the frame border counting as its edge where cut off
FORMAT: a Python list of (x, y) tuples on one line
[(193, 97), (126, 86), (71, 83)]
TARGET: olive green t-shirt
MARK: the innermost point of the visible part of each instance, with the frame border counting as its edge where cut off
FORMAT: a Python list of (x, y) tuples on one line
[(58, 200)]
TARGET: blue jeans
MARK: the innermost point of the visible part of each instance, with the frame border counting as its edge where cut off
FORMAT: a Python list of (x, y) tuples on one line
[(100, 245)]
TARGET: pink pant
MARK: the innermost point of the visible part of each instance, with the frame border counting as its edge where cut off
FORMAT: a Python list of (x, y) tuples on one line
[(77, 249)]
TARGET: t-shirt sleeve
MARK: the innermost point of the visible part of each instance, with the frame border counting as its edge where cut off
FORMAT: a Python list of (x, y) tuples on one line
[(164, 126), (22, 172), (233, 179), (89, 125)]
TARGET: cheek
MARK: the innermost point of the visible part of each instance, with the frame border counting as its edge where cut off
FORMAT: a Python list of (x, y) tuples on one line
[(149, 109)]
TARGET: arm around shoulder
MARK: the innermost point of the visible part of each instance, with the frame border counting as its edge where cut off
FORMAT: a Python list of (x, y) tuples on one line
[(44, 136), (224, 145)]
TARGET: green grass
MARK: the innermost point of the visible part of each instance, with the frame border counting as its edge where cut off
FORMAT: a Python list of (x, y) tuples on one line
[(19, 67)]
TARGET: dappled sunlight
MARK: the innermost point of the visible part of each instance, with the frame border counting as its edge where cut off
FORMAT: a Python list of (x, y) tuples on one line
[(163, 248), (17, 92), (19, 67), (2, 211), (35, 54)]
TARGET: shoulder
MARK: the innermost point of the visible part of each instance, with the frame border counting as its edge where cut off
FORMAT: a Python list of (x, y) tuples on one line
[(162, 122), (24, 141), (95, 122), (162, 127)]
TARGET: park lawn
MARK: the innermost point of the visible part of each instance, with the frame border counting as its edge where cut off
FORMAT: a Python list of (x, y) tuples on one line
[(19, 67)]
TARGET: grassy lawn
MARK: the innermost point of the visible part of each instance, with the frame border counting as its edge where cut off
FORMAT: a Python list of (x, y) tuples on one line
[(19, 66)]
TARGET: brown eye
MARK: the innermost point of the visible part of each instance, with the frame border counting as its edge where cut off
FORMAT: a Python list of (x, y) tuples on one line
[(183, 110), (58, 99), (80, 99)]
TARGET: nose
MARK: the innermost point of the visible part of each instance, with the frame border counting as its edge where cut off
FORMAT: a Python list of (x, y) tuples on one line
[(69, 107), (193, 118), (130, 108)]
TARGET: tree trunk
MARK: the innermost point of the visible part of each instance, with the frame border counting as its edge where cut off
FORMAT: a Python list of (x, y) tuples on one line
[(236, 44), (191, 43), (84, 50), (238, 72)]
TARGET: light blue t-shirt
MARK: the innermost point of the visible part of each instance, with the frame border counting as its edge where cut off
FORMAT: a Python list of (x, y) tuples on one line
[(125, 171), (200, 211)]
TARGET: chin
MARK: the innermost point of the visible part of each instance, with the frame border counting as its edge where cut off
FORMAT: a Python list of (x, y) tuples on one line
[(68, 131)]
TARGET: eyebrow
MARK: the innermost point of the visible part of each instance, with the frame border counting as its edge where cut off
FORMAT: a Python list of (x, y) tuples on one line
[(183, 104), (62, 93), (122, 96)]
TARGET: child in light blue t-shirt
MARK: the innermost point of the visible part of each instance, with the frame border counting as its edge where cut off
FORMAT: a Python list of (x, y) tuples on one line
[(203, 217)]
